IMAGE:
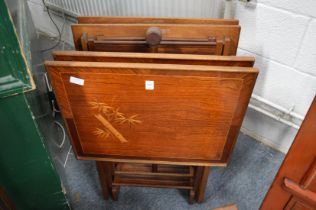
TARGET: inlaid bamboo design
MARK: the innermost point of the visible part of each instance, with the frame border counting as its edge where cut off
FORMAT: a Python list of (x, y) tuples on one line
[(108, 115), (110, 128)]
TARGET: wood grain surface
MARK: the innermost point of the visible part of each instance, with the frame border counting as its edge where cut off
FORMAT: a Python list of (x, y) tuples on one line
[(100, 36), (192, 116), (294, 186), (163, 58)]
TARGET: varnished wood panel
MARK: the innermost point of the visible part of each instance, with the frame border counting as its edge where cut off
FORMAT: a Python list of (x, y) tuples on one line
[(243, 61), (191, 47), (294, 186), (146, 169), (169, 32), (152, 20), (228, 207), (192, 116)]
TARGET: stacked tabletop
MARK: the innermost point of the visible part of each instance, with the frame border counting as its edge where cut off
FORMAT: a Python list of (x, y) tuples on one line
[(155, 101)]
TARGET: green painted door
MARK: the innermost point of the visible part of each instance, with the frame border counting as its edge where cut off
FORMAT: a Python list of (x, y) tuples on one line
[(26, 171)]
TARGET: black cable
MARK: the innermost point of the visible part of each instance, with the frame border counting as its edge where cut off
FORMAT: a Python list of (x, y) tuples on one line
[(59, 32)]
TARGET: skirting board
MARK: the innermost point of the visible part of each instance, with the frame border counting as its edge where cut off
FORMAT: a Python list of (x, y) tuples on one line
[(268, 131), (264, 140)]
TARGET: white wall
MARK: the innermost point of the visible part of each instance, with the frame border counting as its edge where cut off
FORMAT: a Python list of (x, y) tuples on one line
[(284, 43), (282, 36), (169, 8), (44, 25)]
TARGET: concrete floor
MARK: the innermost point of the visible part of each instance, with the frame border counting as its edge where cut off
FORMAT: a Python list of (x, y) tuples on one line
[(244, 182)]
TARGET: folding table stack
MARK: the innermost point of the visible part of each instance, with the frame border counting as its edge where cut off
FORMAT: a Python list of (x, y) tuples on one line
[(155, 102)]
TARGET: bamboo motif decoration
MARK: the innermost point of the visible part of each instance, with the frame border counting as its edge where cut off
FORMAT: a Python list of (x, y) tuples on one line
[(108, 115)]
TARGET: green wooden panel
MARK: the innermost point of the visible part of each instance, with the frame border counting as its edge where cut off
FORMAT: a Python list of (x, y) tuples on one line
[(26, 172), (14, 73)]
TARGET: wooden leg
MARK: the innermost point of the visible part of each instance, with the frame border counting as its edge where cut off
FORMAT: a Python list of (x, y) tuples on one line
[(200, 193), (115, 192), (109, 167), (229, 207), (191, 196), (103, 175), (194, 182)]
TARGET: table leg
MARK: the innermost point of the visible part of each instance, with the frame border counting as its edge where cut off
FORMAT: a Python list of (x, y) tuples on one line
[(105, 175), (203, 173), (115, 192)]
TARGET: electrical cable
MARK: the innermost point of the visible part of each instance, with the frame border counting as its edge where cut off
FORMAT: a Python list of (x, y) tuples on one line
[(49, 87), (67, 156), (54, 109), (59, 31), (63, 131)]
